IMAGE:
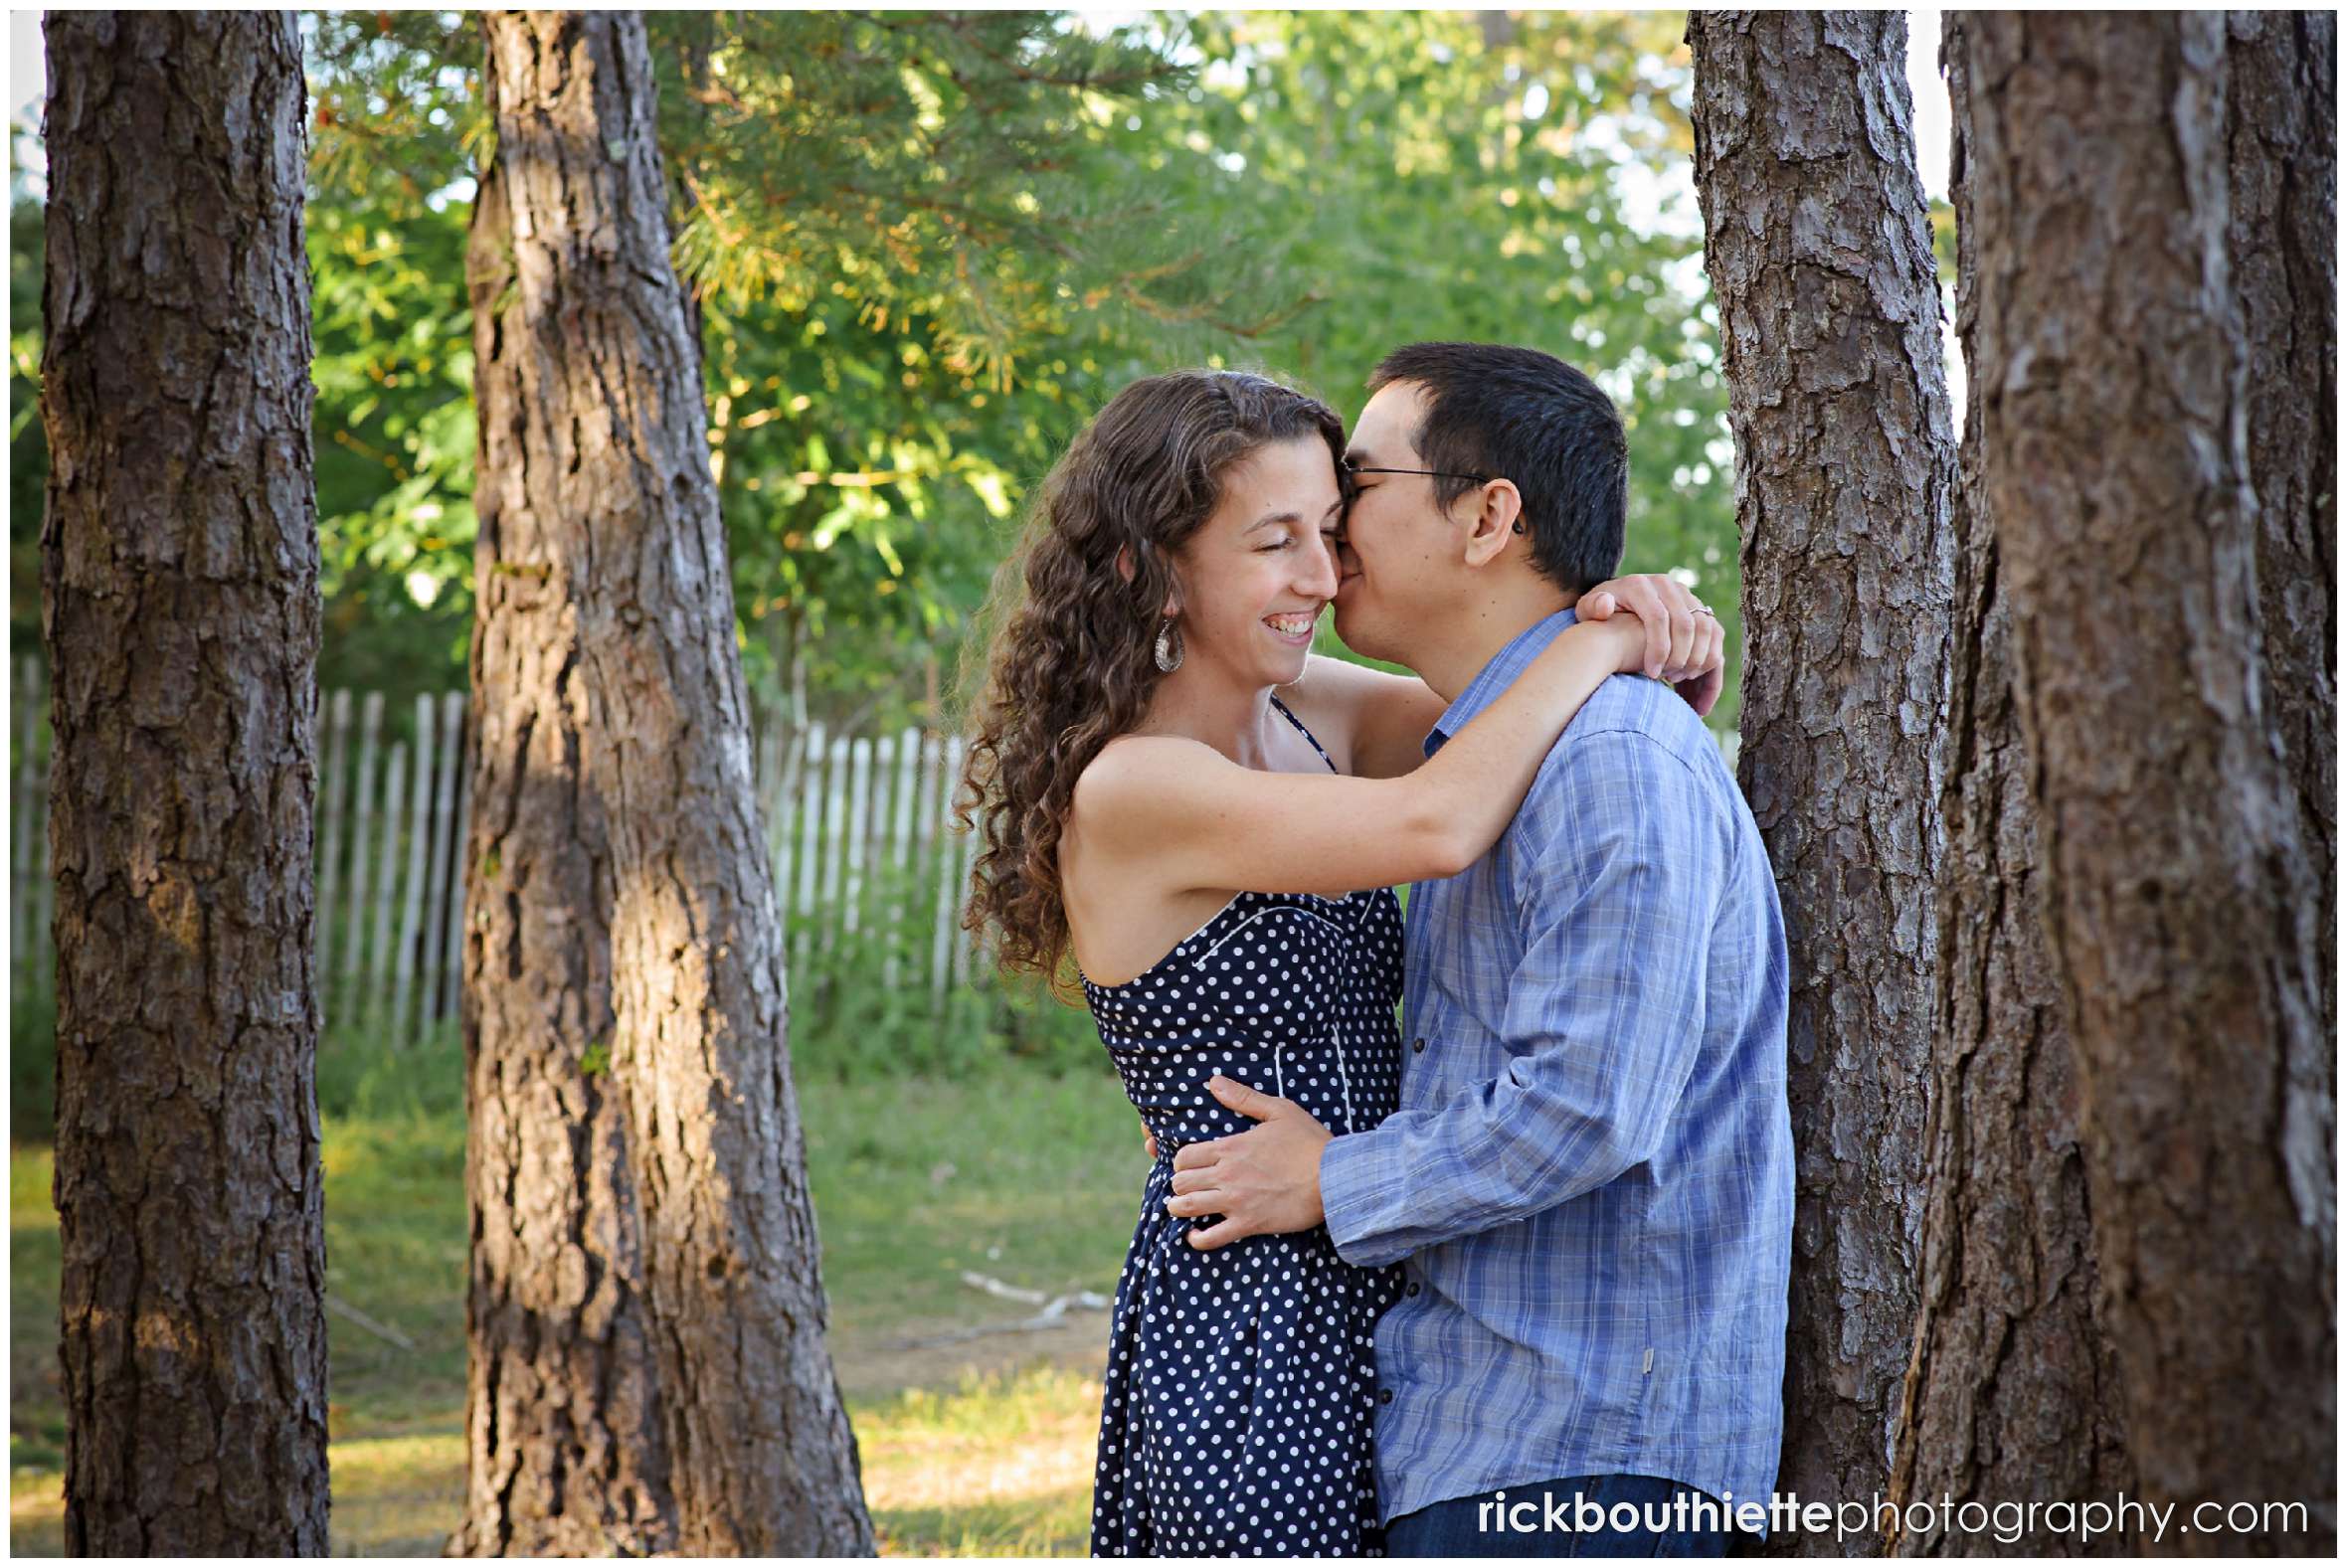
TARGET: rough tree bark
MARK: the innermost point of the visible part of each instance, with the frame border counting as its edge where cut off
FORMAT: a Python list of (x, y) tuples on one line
[(604, 588), (2180, 892), (181, 613), (2012, 1395), (567, 1453), (1817, 237), (2284, 137)]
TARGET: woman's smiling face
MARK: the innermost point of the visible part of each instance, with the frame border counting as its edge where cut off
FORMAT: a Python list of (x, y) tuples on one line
[(1260, 570)]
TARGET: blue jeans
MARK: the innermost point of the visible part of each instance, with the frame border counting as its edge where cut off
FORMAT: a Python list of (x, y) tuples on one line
[(1553, 1519)]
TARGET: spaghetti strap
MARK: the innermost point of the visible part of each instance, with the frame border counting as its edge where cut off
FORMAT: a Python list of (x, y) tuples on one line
[(1301, 730)]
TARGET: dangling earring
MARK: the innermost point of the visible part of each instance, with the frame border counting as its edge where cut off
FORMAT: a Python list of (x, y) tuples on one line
[(1169, 648)]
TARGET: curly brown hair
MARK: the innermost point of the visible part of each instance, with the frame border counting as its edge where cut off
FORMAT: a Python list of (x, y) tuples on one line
[(1070, 666)]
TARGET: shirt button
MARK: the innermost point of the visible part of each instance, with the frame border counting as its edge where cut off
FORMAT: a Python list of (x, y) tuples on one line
[(1384, 1396), (1414, 1287), (1418, 1045)]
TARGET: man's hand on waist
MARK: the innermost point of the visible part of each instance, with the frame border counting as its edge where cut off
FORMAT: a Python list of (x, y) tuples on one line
[(1264, 1182)]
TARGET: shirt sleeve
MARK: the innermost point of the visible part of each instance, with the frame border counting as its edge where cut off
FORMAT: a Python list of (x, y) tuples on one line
[(1614, 868)]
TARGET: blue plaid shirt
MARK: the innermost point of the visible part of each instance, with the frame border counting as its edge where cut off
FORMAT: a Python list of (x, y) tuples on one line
[(1589, 1183)]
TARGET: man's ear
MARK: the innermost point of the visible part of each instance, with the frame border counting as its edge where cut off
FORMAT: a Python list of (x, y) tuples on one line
[(1499, 511)]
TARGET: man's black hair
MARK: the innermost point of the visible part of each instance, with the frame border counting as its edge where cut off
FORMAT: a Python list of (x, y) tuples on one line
[(1521, 414)]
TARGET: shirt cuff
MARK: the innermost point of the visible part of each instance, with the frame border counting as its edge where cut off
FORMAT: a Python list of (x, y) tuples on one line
[(1359, 1180)]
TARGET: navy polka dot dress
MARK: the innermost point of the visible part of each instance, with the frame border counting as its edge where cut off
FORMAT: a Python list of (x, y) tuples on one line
[(1235, 1421)]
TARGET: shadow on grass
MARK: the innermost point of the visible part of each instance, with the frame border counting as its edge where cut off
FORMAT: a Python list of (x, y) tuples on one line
[(1030, 1176), (1058, 1524), (998, 1467)]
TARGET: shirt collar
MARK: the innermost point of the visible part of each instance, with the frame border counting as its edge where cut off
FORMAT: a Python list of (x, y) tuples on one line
[(1496, 676)]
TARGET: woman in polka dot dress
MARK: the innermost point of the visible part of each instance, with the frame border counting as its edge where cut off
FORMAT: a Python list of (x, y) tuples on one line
[(1212, 839)]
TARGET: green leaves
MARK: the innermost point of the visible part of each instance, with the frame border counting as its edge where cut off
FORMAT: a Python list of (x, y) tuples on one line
[(928, 167), (392, 337), (1486, 177), (927, 247)]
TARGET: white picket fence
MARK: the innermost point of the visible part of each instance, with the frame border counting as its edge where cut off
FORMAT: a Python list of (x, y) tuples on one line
[(858, 828)]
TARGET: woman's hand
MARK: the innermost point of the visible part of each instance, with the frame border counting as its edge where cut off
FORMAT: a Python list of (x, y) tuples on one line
[(1684, 641), (1623, 636)]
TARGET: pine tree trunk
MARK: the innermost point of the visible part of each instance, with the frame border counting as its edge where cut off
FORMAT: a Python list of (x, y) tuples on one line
[(2013, 1396), (2284, 135), (181, 615), (2181, 898), (1818, 243), (566, 1451), (601, 543)]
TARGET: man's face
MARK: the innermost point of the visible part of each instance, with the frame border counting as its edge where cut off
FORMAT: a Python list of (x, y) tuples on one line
[(1399, 558)]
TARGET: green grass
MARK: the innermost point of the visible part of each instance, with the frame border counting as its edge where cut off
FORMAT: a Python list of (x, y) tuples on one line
[(1030, 1176), (998, 1467), (36, 1416), (1032, 1179)]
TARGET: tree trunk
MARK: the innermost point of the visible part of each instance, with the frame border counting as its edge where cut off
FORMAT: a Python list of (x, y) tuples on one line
[(2282, 129), (601, 547), (2179, 891), (181, 615), (2013, 1396), (567, 1452), (1818, 243)]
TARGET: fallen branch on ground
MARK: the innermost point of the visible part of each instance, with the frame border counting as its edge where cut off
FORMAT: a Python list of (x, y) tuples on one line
[(383, 1331), (1055, 1312)]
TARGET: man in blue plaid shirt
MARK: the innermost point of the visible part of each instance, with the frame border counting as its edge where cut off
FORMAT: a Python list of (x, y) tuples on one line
[(1589, 1183)]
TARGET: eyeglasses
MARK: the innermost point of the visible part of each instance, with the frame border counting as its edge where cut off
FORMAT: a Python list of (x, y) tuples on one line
[(1347, 467), (1351, 469)]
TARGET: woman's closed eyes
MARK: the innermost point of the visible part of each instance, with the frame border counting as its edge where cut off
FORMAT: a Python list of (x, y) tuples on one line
[(1287, 541)]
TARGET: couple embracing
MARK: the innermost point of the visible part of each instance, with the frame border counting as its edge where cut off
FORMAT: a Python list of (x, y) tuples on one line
[(1391, 1283)]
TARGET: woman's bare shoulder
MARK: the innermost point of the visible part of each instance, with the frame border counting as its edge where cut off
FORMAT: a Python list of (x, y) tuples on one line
[(1128, 773)]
